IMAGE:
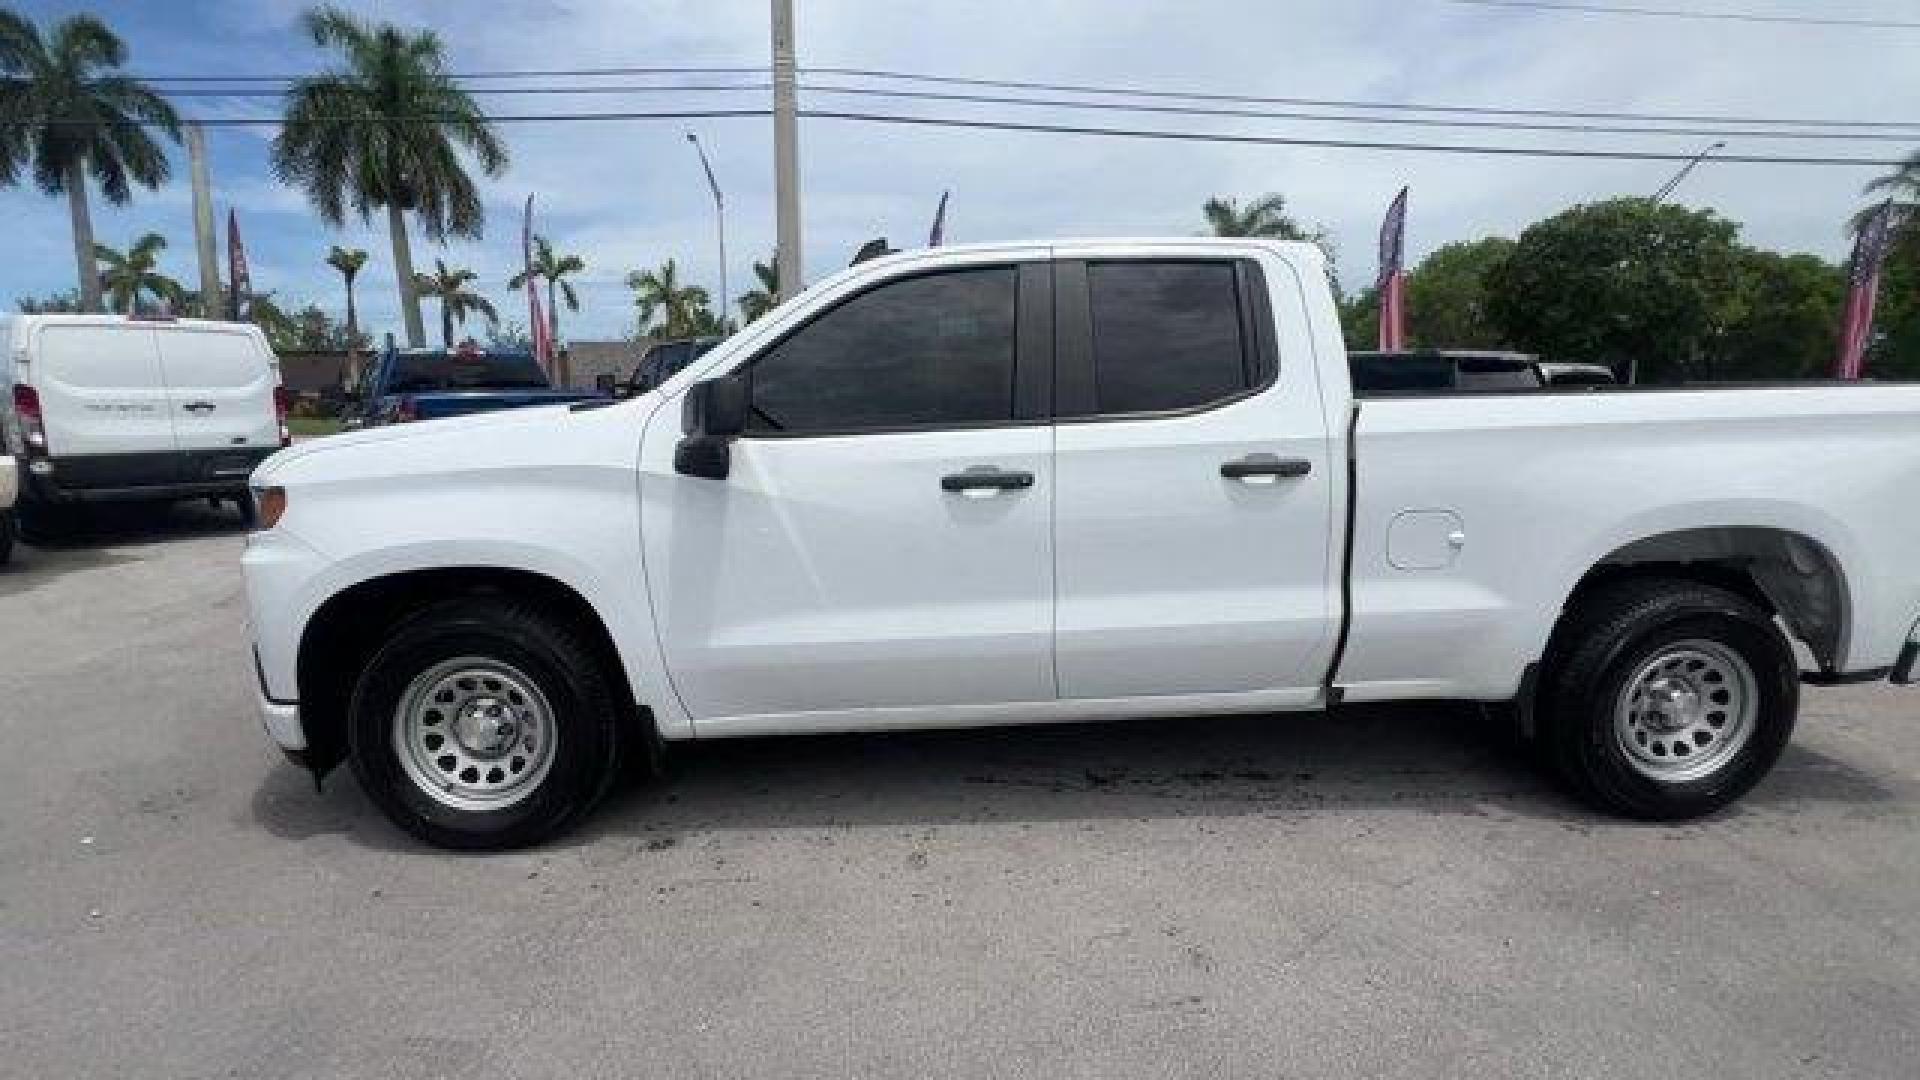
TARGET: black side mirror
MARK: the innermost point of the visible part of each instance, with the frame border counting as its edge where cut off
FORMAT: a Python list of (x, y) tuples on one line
[(712, 415)]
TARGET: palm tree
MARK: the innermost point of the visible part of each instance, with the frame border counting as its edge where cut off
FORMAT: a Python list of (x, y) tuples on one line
[(126, 277), (449, 286), (67, 114), (384, 130), (1264, 216), (553, 269), (757, 302), (349, 261), (684, 306)]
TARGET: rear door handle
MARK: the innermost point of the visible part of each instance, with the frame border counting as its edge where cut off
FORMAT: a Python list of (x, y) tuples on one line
[(199, 406), (986, 478), (1264, 468)]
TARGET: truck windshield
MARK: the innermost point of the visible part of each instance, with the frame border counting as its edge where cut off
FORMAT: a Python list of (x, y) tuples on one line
[(415, 373)]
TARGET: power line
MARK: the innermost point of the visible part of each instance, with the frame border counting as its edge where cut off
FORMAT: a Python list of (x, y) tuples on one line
[(1177, 110), (1135, 133), (522, 73), (1057, 87), (1683, 13), (1417, 121), (1253, 99), (1349, 144)]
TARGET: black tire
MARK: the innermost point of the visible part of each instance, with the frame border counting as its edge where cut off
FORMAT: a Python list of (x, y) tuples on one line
[(7, 530), (562, 667), (1600, 646), (249, 513)]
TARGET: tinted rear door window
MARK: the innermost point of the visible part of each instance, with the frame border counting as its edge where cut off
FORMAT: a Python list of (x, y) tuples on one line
[(933, 351), (1166, 335)]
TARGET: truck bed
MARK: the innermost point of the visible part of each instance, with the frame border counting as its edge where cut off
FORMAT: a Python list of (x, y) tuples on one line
[(1514, 476)]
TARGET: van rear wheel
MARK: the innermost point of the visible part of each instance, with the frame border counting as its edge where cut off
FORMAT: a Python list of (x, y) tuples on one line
[(1667, 699), (484, 723)]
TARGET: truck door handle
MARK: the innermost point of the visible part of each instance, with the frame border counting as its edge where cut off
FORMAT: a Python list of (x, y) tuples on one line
[(986, 478), (199, 406), (1254, 467)]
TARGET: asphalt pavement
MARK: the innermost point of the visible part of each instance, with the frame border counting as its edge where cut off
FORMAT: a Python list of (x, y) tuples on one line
[(1377, 893)]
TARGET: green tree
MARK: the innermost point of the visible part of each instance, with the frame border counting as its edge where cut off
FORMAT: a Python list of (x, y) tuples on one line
[(349, 262), (554, 270), (1360, 319), (449, 285), (127, 277), (1624, 283), (683, 308), (67, 113), (757, 302), (1788, 321), (1895, 350), (1447, 296), (385, 129), (68, 301)]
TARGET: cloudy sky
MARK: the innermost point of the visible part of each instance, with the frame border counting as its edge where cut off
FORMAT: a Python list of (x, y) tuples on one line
[(627, 194)]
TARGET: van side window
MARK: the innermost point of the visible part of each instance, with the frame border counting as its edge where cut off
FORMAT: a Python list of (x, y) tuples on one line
[(919, 352), (1166, 335)]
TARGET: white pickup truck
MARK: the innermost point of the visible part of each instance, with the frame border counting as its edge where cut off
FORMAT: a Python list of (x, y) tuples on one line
[(1021, 484)]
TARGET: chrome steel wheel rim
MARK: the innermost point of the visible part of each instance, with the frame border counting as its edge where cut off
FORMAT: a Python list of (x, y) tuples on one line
[(1686, 711), (474, 733)]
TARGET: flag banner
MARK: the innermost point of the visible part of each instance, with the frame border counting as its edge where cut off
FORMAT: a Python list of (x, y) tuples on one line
[(1392, 282), (239, 282), (938, 234), (1863, 289), (537, 327)]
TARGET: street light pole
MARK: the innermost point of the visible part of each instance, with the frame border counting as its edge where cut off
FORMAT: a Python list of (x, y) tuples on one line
[(1693, 163), (786, 154), (720, 219)]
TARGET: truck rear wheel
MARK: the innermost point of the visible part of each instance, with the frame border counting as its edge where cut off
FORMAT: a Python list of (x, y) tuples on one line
[(484, 723), (1667, 699)]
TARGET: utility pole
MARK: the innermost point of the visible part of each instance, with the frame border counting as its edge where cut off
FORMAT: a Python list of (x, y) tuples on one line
[(212, 304), (1666, 189), (720, 217), (786, 154)]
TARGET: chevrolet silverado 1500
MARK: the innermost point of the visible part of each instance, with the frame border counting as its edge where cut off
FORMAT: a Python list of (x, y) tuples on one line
[(1019, 484)]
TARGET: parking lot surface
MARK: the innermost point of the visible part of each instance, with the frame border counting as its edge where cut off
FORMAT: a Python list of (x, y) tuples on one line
[(1380, 893)]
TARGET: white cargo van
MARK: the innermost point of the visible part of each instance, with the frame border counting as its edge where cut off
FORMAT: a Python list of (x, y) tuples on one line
[(104, 408)]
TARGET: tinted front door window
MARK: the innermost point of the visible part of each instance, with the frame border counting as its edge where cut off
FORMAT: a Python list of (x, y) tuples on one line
[(934, 351)]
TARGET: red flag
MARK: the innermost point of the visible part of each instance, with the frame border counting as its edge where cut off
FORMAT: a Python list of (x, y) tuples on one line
[(1392, 282), (538, 329), (1863, 288), (239, 283)]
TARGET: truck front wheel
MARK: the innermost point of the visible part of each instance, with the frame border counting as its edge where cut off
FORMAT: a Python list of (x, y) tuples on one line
[(1666, 699), (484, 723)]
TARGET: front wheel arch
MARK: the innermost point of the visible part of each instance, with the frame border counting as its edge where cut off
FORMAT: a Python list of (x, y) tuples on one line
[(344, 633)]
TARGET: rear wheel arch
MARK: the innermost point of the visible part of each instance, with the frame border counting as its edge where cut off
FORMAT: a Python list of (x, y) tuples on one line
[(1787, 573), (344, 633)]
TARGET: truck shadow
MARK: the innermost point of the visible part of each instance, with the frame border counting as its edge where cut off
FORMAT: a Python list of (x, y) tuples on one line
[(110, 535), (1422, 759)]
